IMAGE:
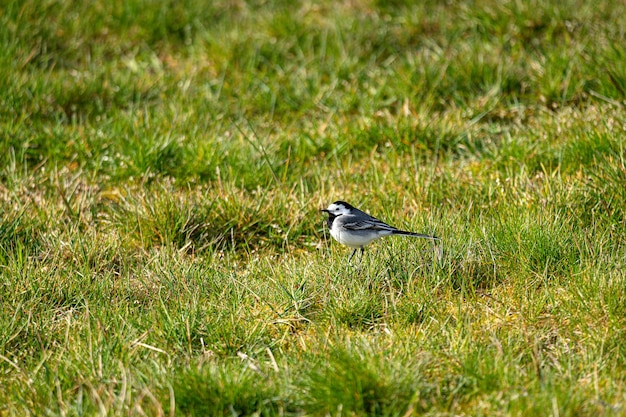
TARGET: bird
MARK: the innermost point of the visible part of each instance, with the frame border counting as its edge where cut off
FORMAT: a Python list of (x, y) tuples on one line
[(356, 229)]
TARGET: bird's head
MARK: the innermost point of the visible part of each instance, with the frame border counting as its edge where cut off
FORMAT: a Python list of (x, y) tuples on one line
[(338, 208)]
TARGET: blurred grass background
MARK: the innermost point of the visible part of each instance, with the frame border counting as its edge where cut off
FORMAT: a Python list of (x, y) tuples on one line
[(162, 165)]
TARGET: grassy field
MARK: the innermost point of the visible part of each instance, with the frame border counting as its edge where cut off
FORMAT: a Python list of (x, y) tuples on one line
[(162, 167)]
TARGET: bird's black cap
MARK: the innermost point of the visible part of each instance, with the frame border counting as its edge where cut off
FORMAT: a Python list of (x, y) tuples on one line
[(347, 205)]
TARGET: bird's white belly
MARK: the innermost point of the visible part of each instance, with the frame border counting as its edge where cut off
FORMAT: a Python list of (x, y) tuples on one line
[(354, 240)]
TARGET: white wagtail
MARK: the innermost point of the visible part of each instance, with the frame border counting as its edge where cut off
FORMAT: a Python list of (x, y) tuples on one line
[(355, 228)]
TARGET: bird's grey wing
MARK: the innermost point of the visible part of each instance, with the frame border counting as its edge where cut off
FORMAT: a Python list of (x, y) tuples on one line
[(354, 223)]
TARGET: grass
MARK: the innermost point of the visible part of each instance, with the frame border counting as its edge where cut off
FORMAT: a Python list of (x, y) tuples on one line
[(162, 167)]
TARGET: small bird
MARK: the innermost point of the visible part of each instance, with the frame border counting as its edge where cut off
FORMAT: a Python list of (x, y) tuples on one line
[(355, 228)]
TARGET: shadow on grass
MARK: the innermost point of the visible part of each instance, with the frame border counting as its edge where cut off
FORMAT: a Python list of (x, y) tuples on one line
[(226, 389), (360, 381), (195, 224)]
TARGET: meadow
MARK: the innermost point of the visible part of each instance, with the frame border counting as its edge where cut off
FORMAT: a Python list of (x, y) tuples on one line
[(162, 168)]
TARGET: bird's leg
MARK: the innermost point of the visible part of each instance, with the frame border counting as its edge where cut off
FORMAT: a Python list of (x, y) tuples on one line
[(362, 252), (350, 258)]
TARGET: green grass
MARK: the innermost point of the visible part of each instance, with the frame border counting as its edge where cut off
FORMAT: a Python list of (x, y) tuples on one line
[(162, 167)]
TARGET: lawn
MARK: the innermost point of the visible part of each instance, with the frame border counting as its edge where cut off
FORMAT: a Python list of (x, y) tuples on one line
[(162, 168)]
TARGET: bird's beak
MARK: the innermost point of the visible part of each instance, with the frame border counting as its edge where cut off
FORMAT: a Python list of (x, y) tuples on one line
[(324, 210)]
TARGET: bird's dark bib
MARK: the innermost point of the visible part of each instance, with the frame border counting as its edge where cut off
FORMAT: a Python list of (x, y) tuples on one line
[(331, 219)]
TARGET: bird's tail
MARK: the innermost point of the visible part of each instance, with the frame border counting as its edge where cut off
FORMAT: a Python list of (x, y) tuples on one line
[(420, 235)]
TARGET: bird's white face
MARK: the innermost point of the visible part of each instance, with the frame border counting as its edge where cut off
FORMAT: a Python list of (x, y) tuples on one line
[(338, 209)]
